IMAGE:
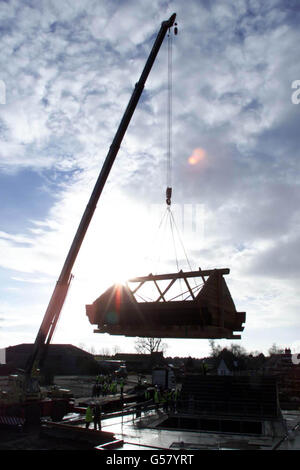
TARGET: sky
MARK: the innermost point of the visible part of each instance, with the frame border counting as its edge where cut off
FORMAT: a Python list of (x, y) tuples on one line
[(67, 73)]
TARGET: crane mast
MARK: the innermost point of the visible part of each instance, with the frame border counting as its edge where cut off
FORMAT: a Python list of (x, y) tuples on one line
[(60, 291)]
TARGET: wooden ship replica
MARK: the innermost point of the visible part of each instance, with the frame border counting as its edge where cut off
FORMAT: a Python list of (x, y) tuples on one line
[(207, 311)]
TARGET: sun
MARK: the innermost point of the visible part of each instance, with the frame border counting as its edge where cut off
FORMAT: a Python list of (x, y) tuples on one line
[(118, 244)]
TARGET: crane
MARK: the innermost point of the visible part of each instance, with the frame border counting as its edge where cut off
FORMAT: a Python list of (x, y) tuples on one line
[(61, 288)]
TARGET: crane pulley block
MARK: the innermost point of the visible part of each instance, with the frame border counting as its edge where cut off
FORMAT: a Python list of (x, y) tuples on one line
[(168, 196)]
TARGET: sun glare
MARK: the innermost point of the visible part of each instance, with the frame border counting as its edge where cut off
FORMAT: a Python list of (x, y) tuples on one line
[(197, 155), (121, 244)]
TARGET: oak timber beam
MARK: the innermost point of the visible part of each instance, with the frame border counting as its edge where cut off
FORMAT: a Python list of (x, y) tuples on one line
[(179, 275), (166, 290), (189, 288), (161, 294)]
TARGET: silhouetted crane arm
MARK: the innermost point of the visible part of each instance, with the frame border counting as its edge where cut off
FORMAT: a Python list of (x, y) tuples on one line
[(61, 289)]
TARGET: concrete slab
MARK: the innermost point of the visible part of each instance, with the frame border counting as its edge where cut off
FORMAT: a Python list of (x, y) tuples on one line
[(143, 434)]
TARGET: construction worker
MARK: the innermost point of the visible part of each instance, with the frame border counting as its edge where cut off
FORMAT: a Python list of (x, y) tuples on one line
[(176, 398), (164, 400), (88, 417), (97, 416), (169, 400), (121, 386), (156, 398)]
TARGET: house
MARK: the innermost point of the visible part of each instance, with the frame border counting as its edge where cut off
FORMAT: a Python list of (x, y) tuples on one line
[(62, 359), (230, 366), (226, 363), (288, 376), (223, 369), (141, 363), (279, 364)]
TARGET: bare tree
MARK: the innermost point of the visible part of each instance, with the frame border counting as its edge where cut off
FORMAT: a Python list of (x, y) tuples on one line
[(116, 349), (215, 349), (238, 350), (150, 345), (89, 349), (274, 349), (104, 352)]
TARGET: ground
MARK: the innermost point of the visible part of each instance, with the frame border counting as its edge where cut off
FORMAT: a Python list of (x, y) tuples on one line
[(31, 438)]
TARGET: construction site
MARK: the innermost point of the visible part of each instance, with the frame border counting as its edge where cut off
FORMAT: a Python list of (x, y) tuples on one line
[(158, 410)]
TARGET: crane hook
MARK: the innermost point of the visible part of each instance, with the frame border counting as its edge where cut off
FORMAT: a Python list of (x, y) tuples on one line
[(168, 196)]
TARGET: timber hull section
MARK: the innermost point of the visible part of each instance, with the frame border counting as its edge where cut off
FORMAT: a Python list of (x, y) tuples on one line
[(209, 314)]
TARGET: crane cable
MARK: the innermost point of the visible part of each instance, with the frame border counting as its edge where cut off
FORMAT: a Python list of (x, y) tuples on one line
[(169, 123), (169, 146), (168, 215), (169, 151)]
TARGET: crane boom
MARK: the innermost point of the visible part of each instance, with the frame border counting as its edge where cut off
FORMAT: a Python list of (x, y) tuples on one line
[(60, 291)]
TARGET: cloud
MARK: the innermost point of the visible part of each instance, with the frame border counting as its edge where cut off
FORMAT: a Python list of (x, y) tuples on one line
[(69, 70)]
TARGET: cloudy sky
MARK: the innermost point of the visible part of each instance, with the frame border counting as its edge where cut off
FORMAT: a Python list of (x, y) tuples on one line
[(67, 72)]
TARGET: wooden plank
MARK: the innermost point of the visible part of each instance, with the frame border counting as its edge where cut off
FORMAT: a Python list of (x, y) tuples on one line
[(161, 294), (213, 332), (220, 299), (179, 275), (166, 290), (189, 288), (137, 288)]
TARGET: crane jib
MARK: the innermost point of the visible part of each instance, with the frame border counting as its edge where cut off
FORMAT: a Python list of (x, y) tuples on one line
[(56, 302)]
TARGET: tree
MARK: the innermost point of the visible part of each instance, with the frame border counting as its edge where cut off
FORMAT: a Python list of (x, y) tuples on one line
[(104, 352), (116, 349), (238, 350), (150, 345), (274, 349), (215, 349), (189, 364), (235, 349)]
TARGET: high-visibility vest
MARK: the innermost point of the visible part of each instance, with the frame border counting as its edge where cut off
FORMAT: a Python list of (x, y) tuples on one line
[(89, 415)]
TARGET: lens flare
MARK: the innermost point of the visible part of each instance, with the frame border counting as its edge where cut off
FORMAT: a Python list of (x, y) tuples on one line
[(197, 155)]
